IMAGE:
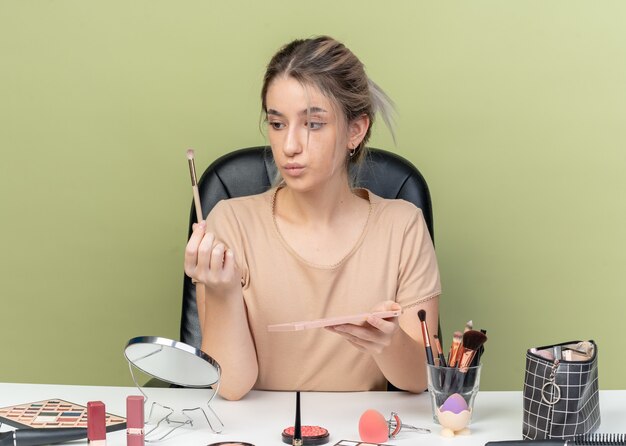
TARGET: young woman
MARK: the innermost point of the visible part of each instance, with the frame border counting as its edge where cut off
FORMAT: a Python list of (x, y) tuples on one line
[(315, 247)]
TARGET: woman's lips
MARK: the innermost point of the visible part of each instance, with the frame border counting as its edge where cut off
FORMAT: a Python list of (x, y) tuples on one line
[(293, 170)]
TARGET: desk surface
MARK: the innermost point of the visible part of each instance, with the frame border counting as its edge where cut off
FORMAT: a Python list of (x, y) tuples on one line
[(261, 416)]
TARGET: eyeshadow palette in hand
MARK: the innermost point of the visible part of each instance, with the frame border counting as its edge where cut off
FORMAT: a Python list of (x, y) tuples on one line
[(331, 321)]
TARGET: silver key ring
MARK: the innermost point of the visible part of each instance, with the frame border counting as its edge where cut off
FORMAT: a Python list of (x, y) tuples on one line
[(556, 395)]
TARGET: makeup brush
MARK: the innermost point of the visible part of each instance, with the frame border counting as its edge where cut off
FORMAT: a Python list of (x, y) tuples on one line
[(472, 340), (442, 359), (429, 351), (480, 352), (297, 427), (468, 326), (454, 348), (580, 440), (194, 184), (37, 437)]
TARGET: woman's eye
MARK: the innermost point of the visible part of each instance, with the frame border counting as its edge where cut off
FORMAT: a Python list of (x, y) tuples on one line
[(276, 125), (315, 125)]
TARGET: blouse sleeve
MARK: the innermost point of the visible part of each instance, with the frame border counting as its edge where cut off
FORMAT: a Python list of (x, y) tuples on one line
[(418, 273), (223, 223)]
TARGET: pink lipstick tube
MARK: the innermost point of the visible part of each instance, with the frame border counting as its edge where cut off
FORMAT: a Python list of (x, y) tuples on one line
[(96, 423), (134, 421)]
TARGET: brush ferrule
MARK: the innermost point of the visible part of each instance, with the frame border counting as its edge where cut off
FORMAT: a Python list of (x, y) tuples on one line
[(425, 334), (466, 359), (454, 353), (192, 172)]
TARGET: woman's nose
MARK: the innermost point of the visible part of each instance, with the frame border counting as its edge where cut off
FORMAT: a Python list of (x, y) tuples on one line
[(293, 141)]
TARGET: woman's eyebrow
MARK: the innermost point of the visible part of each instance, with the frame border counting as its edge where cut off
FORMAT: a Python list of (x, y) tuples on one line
[(271, 111), (313, 110)]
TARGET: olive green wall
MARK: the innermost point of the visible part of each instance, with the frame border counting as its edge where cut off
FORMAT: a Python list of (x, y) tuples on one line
[(514, 111)]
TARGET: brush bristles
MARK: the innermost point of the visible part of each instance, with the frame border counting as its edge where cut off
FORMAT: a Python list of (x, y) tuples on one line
[(469, 326), (601, 439), (422, 315), (473, 339), (190, 154)]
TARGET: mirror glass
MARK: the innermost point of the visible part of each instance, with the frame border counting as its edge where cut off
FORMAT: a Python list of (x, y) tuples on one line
[(172, 361)]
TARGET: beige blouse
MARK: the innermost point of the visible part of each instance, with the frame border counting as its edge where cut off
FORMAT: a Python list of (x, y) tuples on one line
[(394, 259)]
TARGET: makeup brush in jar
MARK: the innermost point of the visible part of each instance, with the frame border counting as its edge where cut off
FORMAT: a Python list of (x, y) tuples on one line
[(455, 348), (472, 341), (442, 358), (469, 325), (429, 351)]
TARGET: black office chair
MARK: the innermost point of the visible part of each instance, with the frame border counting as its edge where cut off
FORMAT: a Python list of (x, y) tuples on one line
[(250, 171)]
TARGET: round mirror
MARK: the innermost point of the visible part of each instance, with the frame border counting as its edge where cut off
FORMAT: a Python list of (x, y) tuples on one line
[(173, 362)]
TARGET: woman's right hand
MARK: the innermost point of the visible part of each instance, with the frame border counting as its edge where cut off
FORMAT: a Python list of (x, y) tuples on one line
[(210, 262)]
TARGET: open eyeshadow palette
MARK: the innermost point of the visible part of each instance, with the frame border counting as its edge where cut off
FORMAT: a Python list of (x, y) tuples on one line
[(54, 413)]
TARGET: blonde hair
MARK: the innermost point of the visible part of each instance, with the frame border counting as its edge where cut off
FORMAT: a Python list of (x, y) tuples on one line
[(328, 65)]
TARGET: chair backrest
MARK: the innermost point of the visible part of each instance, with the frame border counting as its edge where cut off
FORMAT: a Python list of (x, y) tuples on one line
[(250, 171)]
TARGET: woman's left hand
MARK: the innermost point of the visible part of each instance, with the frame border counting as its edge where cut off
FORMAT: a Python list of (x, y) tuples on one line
[(375, 334)]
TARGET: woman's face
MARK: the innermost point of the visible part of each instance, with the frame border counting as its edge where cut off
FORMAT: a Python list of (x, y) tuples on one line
[(309, 141)]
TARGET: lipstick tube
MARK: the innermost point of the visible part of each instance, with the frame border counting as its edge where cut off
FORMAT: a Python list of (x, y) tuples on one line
[(134, 421), (96, 423)]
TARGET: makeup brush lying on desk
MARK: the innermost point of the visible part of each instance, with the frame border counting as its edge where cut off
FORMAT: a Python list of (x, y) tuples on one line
[(581, 440), (38, 437)]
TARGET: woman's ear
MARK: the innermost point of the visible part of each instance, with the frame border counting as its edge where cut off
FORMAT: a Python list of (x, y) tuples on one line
[(357, 130)]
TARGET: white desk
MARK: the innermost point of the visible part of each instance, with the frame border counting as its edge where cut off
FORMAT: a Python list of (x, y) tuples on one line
[(261, 416)]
